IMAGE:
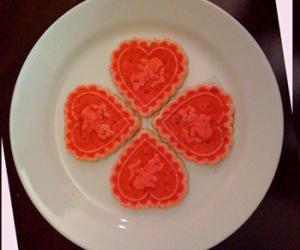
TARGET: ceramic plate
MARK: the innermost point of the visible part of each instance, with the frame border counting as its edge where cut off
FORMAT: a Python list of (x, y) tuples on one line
[(74, 196)]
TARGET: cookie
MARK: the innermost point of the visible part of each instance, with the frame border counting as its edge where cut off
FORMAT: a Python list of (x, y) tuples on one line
[(148, 174), (96, 122), (198, 123), (148, 72)]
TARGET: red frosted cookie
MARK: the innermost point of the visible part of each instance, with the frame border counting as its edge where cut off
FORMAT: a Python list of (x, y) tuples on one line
[(148, 174), (96, 122), (148, 72), (198, 123)]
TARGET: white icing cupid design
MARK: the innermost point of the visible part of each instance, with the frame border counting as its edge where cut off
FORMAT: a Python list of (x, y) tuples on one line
[(92, 120), (198, 127), (152, 73), (144, 176)]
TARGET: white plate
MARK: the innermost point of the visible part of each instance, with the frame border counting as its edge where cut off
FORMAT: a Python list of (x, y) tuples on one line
[(74, 196)]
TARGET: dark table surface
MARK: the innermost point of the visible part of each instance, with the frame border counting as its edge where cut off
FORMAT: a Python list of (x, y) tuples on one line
[(276, 222)]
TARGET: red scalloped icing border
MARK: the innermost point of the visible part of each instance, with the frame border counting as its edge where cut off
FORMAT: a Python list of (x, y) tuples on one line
[(227, 125), (134, 123), (149, 201), (162, 97)]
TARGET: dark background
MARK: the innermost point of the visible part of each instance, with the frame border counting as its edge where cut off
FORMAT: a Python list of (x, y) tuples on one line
[(296, 76), (276, 222)]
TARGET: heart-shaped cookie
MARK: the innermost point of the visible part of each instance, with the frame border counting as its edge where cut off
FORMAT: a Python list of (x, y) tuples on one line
[(148, 174), (198, 123), (96, 122), (148, 72)]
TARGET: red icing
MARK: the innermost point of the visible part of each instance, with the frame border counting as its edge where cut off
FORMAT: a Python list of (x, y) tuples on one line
[(96, 122), (199, 123), (148, 174), (148, 72)]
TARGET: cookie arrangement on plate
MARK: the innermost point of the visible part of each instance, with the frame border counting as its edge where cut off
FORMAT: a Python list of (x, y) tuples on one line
[(196, 124)]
